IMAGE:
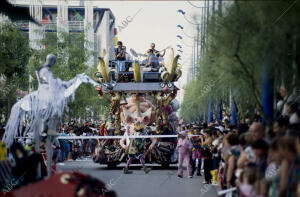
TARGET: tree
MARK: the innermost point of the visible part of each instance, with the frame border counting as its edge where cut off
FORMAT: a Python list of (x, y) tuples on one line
[(235, 52), (14, 54)]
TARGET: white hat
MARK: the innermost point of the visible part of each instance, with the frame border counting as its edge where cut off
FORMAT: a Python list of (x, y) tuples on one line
[(221, 128)]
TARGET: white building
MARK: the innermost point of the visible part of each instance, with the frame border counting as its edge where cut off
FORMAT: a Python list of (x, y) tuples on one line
[(70, 17)]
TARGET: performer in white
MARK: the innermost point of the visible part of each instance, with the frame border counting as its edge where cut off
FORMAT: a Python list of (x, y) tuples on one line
[(43, 106)]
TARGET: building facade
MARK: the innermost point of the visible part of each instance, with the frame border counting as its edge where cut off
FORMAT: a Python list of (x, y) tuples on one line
[(64, 16)]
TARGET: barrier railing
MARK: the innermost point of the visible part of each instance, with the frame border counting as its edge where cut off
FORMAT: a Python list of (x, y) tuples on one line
[(227, 192), (112, 137)]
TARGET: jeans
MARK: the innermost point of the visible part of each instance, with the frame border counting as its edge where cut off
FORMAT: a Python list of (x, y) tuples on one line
[(65, 149), (121, 66)]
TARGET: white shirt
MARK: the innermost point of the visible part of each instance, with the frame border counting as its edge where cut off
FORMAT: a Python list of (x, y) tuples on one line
[(294, 118), (251, 157)]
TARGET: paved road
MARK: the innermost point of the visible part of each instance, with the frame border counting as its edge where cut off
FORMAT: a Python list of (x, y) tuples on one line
[(158, 183)]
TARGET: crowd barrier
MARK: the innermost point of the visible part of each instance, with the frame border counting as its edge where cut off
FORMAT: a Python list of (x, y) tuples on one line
[(111, 137), (227, 192)]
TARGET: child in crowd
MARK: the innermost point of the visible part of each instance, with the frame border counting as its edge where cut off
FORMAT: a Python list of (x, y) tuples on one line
[(184, 147), (215, 156), (206, 142)]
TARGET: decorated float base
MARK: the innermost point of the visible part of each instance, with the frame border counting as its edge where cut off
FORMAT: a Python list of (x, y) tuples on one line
[(163, 153)]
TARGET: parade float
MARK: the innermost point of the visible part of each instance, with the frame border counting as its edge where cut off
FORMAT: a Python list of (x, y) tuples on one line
[(139, 96)]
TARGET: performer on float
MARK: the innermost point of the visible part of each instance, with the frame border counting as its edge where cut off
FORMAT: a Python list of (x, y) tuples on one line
[(134, 147)]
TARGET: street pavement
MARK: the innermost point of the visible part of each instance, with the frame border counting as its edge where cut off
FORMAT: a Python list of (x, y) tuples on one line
[(159, 182)]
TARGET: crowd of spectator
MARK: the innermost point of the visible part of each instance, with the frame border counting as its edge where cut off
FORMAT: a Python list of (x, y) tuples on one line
[(74, 149), (255, 158)]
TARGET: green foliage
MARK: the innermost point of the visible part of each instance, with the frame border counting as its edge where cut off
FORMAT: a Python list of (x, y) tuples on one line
[(235, 53), (14, 51), (14, 54)]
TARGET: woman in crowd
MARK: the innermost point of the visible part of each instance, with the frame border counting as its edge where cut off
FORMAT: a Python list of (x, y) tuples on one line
[(290, 167), (215, 156), (206, 142), (231, 141), (273, 169)]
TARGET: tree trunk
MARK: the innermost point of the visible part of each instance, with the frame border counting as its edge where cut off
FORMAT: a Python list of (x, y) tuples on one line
[(220, 8), (9, 95), (8, 106), (69, 112), (294, 64)]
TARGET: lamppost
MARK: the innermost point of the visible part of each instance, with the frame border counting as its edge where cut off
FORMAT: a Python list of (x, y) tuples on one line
[(197, 45), (181, 27), (201, 28), (183, 13), (181, 38), (192, 73)]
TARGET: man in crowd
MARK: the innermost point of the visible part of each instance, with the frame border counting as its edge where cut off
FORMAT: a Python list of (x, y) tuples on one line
[(257, 131), (280, 125)]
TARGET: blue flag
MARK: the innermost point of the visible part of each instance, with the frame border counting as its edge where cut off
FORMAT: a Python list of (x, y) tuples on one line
[(210, 111), (268, 90), (233, 111)]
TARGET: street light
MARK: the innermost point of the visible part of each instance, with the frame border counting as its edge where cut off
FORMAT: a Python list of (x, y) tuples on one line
[(183, 13), (179, 36), (181, 27)]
